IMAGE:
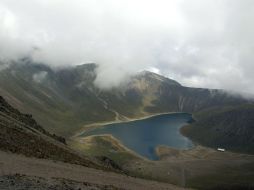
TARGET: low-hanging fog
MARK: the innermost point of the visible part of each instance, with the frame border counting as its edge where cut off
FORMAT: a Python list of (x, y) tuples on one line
[(200, 43)]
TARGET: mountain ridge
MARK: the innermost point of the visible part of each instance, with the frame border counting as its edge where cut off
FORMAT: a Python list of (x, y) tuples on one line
[(68, 98)]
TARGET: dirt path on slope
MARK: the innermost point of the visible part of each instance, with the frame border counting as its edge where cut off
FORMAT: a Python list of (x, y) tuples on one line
[(11, 164)]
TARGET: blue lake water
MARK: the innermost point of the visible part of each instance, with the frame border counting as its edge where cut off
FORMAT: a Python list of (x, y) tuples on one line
[(143, 136)]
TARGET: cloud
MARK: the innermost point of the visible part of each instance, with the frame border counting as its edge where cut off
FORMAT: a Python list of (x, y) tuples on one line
[(198, 43), (40, 76)]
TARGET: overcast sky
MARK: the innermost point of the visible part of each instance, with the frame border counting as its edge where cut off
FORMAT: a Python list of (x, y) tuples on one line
[(200, 43)]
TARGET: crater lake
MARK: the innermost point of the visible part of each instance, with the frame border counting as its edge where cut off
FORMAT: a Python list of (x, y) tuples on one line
[(144, 135)]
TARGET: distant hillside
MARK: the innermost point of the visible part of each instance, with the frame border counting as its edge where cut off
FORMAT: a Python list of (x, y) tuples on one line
[(64, 100), (19, 133), (54, 98), (231, 128)]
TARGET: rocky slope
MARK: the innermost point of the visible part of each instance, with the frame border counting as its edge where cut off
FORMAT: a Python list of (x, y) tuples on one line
[(64, 100), (50, 164), (18, 173), (19, 133)]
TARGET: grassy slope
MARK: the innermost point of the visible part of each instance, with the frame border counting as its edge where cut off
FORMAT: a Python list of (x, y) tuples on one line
[(55, 102), (19, 133), (66, 99), (104, 145), (206, 168), (201, 167), (229, 127)]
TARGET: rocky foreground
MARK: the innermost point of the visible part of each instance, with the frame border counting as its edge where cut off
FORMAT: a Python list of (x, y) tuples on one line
[(20, 172)]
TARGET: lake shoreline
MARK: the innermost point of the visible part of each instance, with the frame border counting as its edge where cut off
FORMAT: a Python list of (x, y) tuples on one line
[(112, 138), (91, 126), (170, 136)]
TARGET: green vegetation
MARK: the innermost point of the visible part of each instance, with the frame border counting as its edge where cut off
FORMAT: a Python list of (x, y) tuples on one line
[(22, 135), (200, 167), (106, 145), (66, 99), (231, 128), (56, 101)]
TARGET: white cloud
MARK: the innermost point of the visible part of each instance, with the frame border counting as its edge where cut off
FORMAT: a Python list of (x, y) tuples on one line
[(154, 70), (39, 77), (199, 43)]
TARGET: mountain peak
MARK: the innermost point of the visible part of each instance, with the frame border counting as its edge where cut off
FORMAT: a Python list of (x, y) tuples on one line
[(154, 76)]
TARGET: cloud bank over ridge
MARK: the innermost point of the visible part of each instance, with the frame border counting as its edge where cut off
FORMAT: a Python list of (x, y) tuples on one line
[(198, 43)]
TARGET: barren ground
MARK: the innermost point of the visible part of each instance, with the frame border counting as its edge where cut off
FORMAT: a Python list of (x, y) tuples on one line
[(17, 172)]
